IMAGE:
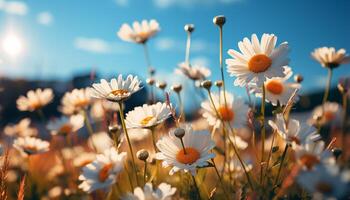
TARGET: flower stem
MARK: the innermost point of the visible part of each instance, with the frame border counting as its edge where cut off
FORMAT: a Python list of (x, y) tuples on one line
[(221, 63), (263, 133), (326, 92), (220, 179), (344, 105), (148, 60), (145, 173), (188, 46), (121, 114), (89, 128), (182, 113), (281, 164), (154, 140), (196, 186)]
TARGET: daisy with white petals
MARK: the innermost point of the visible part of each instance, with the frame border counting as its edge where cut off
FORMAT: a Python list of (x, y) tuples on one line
[(76, 100), (139, 32), (235, 112), (35, 100), (31, 145), (330, 112), (22, 129), (163, 192), (329, 57), (197, 150), (117, 89), (195, 72), (147, 116), (293, 132), (277, 90), (258, 60), (103, 171), (65, 125)]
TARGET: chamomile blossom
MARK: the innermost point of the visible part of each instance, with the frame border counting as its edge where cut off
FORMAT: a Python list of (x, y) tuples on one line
[(83, 159), (76, 100), (293, 131), (329, 112), (100, 141), (117, 89), (277, 90), (21, 129), (140, 32), (163, 192), (35, 99), (31, 145), (197, 146), (329, 57), (258, 60), (65, 125), (102, 172), (234, 112), (195, 72), (147, 116)]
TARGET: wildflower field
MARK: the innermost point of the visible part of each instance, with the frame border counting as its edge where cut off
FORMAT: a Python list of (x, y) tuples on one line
[(132, 136)]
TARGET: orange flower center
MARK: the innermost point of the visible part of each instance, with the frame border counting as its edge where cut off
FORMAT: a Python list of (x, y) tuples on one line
[(143, 34), (324, 187), (104, 172), (309, 161), (191, 156), (146, 120), (259, 63), (36, 105), (226, 113), (65, 129), (29, 149), (328, 115), (82, 103), (294, 139), (120, 92), (274, 86)]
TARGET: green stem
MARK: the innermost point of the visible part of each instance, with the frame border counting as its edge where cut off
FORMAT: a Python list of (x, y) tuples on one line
[(326, 92), (154, 140), (188, 46), (148, 60), (89, 128), (196, 186), (281, 164), (220, 179), (182, 113), (121, 114), (221, 64), (145, 173), (263, 134)]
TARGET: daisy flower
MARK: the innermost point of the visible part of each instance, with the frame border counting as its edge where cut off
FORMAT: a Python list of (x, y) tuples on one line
[(311, 154), (195, 72), (277, 90), (76, 100), (117, 89), (103, 171), (197, 146), (137, 134), (235, 112), (294, 132), (35, 99), (325, 182), (83, 159), (163, 192), (21, 129), (257, 60), (329, 57), (100, 107), (147, 116), (139, 32), (101, 141), (330, 112), (65, 125), (31, 145)]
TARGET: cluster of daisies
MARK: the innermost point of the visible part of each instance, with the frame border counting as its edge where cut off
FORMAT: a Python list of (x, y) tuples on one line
[(153, 152)]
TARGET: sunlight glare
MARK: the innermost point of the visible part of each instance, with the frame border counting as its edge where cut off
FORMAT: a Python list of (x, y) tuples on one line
[(12, 45)]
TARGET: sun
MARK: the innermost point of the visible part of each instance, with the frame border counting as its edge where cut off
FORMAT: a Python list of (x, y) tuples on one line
[(12, 45)]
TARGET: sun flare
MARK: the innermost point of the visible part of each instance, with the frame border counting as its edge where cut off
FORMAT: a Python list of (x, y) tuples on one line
[(12, 45)]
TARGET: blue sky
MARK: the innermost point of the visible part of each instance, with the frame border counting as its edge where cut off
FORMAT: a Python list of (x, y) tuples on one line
[(57, 34)]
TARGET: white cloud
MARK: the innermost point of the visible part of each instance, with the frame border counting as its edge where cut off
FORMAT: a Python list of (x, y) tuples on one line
[(190, 3), (45, 18), (100, 46), (171, 44), (14, 7), (122, 3)]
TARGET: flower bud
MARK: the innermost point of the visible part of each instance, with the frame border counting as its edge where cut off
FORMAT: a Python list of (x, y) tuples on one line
[(298, 78), (142, 154), (151, 71), (206, 84), (161, 85), (189, 28), (218, 83), (219, 20), (177, 88), (150, 81), (179, 132)]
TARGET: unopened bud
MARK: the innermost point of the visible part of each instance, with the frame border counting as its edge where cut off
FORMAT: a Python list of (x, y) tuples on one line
[(337, 152), (189, 28), (179, 132), (206, 84), (142, 154), (150, 81), (218, 83), (161, 85), (151, 71), (298, 78), (177, 88), (219, 20)]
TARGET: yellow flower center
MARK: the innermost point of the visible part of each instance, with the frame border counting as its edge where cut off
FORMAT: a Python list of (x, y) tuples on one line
[(65, 129), (120, 92), (146, 120), (30, 149), (104, 172), (226, 113), (274, 86), (191, 156), (328, 115), (259, 63), (309, 160), (324, 187), (36, 105), (82, 103)]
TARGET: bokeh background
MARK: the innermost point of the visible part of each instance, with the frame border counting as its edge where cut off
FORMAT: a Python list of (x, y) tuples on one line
[(59, 44)]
